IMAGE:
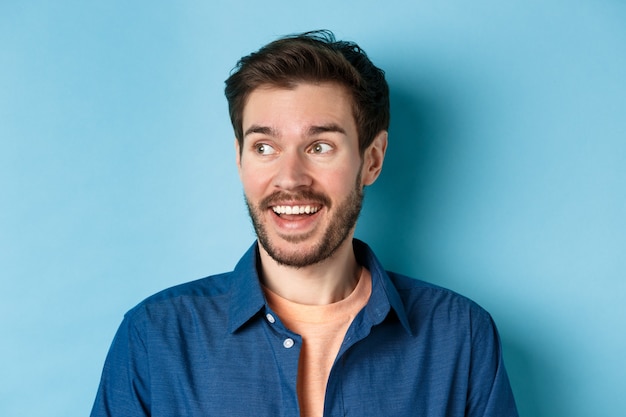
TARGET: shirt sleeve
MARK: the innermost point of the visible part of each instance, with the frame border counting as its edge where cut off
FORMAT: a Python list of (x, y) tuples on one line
[(125, 383), (490, 393)]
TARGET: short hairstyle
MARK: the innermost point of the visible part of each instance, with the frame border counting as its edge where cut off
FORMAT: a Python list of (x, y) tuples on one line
[(313, 57)]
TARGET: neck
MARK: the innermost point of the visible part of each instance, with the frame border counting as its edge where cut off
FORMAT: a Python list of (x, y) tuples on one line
[(325, 282)]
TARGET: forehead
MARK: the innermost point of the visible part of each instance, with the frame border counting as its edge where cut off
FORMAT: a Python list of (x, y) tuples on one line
[(299, 102)]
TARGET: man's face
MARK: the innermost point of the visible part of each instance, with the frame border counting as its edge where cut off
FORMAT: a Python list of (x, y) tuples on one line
[(301, 170)]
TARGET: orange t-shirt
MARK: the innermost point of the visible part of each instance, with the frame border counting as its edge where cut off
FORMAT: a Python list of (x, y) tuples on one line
[(323, 328)]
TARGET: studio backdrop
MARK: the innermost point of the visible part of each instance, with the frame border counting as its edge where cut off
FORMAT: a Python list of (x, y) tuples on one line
[(505, 178)]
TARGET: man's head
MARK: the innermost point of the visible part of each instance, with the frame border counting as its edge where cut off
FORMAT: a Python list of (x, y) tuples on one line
[(313, 57), (310, 115)]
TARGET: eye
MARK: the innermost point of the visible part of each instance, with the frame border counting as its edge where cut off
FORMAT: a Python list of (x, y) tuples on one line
[(264, 149), (320, 148)]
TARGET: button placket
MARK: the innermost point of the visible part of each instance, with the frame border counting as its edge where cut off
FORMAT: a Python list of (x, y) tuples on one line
[(287, 342)]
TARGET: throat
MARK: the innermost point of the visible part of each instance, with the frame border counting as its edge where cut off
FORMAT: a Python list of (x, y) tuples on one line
[(326, 282)]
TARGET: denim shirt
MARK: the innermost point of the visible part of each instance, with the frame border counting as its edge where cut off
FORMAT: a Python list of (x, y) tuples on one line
[(213, 347)]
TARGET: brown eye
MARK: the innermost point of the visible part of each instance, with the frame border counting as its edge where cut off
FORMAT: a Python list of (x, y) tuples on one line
[(264, 149), (321, 148)]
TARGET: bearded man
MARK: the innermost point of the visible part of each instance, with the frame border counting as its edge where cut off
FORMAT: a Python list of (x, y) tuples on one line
[(309, 323)]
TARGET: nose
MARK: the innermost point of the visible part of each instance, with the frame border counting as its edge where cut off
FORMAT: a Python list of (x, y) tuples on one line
[(292, 171)]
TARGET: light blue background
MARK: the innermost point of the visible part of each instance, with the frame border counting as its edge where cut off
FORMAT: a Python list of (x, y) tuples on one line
[(505, 178)]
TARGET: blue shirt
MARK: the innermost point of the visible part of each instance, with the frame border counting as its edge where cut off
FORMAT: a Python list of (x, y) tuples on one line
[(213, 347)]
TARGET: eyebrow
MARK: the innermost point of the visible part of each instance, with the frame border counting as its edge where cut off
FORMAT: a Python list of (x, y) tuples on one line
[(263, 130), (332, 127), (312, 131)]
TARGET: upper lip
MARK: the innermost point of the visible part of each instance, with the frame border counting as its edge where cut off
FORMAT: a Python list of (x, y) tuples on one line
[(301, 199)]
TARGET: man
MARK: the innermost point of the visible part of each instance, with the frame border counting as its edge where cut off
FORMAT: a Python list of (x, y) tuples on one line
[(308, 323)]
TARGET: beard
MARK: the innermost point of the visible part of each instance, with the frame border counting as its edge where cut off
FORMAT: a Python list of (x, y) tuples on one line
[(341, 224)]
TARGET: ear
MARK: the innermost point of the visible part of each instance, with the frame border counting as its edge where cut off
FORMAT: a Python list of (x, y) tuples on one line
[(373, 158)]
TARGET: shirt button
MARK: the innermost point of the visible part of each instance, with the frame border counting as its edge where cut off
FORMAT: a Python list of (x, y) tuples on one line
[(270, 318), (288, 343)]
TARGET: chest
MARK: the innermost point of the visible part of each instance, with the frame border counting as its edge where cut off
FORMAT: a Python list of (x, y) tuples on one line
[(255, 372)]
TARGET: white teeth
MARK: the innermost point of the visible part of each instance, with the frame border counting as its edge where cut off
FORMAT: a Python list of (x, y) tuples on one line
[(295, 209)]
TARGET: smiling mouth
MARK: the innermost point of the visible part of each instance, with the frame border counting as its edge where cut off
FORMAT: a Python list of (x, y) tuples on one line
[(306, 209)]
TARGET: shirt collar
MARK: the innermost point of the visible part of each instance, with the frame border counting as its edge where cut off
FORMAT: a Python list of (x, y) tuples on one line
[(384, 296), (247, 298)]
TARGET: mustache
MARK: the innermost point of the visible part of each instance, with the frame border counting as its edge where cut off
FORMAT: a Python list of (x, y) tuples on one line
[(302, 195)]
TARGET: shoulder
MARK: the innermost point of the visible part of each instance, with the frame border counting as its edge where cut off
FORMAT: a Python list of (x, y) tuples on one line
[(211, 286), (413, 287), (209, 292), (230, 297), (424, 301)]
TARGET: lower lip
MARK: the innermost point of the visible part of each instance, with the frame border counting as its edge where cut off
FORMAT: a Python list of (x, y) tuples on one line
[(295, 222)]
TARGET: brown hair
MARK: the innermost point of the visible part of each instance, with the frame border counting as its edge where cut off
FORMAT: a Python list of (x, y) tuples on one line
[(313, 57)]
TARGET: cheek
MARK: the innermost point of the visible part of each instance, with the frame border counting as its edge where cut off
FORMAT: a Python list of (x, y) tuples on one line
[(254, 182), (341, 182)]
